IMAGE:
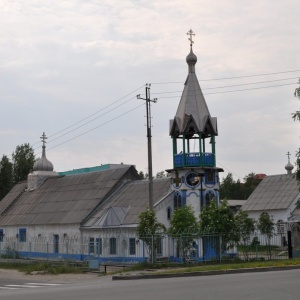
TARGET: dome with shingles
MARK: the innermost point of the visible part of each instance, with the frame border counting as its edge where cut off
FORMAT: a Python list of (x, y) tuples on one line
[(43, 164), (191, 58)]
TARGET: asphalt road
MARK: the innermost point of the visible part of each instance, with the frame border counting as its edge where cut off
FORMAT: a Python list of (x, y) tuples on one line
[(264, 285)]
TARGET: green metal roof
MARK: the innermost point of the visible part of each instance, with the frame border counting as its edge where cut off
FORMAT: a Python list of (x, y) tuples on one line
[(85, 170)]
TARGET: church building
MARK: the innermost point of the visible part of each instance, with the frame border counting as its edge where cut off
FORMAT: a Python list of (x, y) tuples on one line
[(94, 211)]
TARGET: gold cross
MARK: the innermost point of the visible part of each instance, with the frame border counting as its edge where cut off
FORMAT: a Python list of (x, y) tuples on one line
[(191, 33)]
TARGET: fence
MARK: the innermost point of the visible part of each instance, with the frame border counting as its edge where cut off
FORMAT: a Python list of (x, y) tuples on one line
[(176, 248)]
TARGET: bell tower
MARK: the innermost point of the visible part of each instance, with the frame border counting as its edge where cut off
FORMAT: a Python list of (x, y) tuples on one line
[(194, 176)]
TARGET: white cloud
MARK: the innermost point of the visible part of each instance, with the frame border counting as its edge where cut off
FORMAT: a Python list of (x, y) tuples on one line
[(61, 61)]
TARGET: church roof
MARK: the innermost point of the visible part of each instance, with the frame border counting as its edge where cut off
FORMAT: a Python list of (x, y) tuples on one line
[(273, 193), (192, 107), (62, 200), (124, 207)]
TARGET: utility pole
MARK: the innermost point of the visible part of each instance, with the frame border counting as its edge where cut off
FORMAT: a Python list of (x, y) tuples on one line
[(148, 112)]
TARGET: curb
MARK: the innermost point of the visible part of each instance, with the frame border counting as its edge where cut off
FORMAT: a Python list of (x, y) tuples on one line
[(202, 273)]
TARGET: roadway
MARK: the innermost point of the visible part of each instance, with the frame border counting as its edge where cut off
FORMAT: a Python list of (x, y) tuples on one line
[(261, 285)]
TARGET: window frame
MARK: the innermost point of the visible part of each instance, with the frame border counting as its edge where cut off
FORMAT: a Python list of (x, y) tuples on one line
[(22, 235), (99, 246), (112, 246), (132, 246)]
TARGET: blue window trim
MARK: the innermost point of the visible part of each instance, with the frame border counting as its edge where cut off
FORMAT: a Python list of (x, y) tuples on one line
[(209, 181), (132, 246), (99, 246), (183, 198), (22, 235), (112, 246)]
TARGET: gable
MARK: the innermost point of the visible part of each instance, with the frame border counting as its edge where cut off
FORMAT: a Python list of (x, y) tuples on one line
[(273, 193), (135, 197)]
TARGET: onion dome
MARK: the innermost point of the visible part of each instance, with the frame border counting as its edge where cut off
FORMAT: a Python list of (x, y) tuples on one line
[(191, 59), (289, 167), (43, 164)]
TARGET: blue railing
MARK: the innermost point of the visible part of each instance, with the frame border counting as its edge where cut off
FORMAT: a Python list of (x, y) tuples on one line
[(194, 160)]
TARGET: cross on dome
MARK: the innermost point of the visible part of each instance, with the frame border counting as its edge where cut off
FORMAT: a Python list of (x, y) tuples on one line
[(288, 155), (191, 33), (44, 138)]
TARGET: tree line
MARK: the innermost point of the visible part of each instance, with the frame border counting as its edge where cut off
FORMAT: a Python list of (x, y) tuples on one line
[(15, 170), (237, 190)]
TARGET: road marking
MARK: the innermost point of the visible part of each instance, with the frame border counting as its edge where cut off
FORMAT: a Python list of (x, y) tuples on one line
[(22, 285), (44, 284), (28, 285)]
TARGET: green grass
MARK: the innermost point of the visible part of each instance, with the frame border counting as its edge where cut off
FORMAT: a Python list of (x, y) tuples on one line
[(43, 268), (235, 266), (65, 268)]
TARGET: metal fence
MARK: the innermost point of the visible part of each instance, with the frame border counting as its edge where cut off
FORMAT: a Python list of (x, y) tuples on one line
[(175, 248)]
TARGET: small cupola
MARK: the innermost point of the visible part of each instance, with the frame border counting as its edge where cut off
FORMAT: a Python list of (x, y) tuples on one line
[(43, 164), (42, 169), (289, 167)]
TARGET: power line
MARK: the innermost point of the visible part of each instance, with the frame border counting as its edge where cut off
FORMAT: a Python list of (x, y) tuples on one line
[(87, 117), (226, 86), (90, 121), (223, 92), (75, 137), (234, 77), (230, 171)]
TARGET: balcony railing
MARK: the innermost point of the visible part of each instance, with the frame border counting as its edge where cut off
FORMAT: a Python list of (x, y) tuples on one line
[(194, 160)]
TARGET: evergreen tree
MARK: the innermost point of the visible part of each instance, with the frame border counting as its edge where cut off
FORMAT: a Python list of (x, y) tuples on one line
[(6, 176), (251, 182), (23, 160)]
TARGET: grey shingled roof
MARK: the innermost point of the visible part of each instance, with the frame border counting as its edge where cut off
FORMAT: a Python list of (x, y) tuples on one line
[(124, 207), (273, 193), (62, 200), (192, 106)]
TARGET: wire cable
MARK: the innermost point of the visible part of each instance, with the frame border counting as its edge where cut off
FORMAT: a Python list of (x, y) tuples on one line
[(119, 116), (234, 77)]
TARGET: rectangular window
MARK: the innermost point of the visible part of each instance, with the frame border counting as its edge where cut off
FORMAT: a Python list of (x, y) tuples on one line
[(99, 246), (92, 245), (132, 246), (1, 235), (183, 198), (112, 246), (159, 247), (210, 177), (22, 235)]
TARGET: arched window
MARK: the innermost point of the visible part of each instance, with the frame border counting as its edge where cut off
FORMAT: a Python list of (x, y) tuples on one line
[(177, 200), (209, 196)]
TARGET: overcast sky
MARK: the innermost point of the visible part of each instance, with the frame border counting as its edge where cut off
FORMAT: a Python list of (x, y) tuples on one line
[(83, 62)]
